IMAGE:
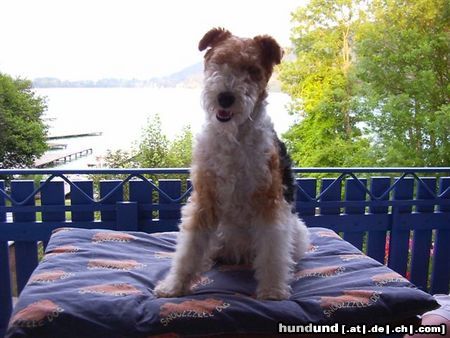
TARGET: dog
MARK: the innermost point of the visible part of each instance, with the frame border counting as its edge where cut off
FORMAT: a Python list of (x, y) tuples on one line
[(241, 209)]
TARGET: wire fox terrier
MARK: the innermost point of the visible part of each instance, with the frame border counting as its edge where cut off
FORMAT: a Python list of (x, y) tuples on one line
[(241, 209)]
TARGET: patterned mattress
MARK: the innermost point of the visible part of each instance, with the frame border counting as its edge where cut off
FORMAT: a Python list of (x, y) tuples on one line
[(98, 283)]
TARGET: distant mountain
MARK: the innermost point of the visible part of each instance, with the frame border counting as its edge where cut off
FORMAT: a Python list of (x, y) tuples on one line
[(189, 77), (51, 82)]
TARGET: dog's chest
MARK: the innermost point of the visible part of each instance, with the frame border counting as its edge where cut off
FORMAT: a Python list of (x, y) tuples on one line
[(239, 169)]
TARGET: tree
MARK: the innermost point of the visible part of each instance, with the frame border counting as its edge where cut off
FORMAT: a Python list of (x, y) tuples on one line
[(120, 159), (22, 131), (321, 82), (154, 149), (404, 61), (180, 149), (154, 145)]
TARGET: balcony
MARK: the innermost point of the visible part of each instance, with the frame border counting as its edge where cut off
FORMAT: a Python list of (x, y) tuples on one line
[(398, 216)]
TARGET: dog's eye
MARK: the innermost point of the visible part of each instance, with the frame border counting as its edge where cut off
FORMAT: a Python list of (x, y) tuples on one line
[(254, 72)]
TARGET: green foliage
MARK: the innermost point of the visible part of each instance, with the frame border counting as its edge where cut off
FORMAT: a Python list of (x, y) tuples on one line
[(311, 147), (404, 63), (154, 145), (180, 149), (115, 159), (22, 132), (119, 159), (322, 84), (369, 83), (154, 149)]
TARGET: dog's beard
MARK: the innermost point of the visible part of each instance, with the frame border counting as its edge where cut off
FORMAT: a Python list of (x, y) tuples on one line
[(242, 111), (229, 130)]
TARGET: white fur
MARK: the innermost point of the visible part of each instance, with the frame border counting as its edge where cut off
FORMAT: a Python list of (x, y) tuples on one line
[(237, 152)]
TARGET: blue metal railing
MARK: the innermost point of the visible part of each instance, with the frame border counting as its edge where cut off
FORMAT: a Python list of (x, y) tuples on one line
[(401, 218), (139, 174)]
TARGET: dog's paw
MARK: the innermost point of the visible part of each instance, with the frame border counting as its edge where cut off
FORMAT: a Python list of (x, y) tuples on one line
[(169, 289), (273, 293)]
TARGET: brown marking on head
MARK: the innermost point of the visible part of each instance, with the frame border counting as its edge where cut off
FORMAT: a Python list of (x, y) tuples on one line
[(271, 51), (256, 57), (213, 37), (268, 197)]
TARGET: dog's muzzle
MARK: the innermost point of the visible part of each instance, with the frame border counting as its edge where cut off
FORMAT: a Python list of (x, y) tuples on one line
[(224, 115), (226, 100)]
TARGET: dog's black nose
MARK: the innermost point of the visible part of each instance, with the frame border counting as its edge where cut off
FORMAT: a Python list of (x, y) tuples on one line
[(226, 99)]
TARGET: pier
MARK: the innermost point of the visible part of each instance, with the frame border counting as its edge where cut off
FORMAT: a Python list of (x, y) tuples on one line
[(49, 159), (58, 152), (60, 137)]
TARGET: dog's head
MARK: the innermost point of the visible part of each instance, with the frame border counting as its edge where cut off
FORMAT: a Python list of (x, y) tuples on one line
[(237, 71)]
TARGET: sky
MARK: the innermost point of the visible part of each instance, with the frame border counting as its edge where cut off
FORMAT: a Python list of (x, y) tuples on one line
[(94, 39)]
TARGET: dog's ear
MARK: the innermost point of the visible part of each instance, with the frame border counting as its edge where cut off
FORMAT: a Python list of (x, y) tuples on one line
[(213, 37), (271, 50)]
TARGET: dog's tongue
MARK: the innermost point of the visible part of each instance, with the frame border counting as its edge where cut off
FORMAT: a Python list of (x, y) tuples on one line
[(224, 114)]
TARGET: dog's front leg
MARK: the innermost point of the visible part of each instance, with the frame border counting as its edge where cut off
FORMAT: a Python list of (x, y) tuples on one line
[(198, 223), (272, 262), (187, 263)]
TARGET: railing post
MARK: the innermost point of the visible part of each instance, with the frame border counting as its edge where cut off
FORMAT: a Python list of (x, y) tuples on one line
[(399, 239), (141, 192), (127, 216), (376, 240), (26, 251), (107, 187), (2, 202), (304, 195), (170, 218), (441, 256), (354, 192), (333, 193), (421, 243), (53, 194), (5, 289), (77, 198), (5, 276)]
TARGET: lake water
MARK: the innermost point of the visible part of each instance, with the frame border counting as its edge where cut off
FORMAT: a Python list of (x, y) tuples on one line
[(121, 113)]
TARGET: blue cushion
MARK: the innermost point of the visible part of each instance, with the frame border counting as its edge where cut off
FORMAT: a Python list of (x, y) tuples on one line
[(98, 283)]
